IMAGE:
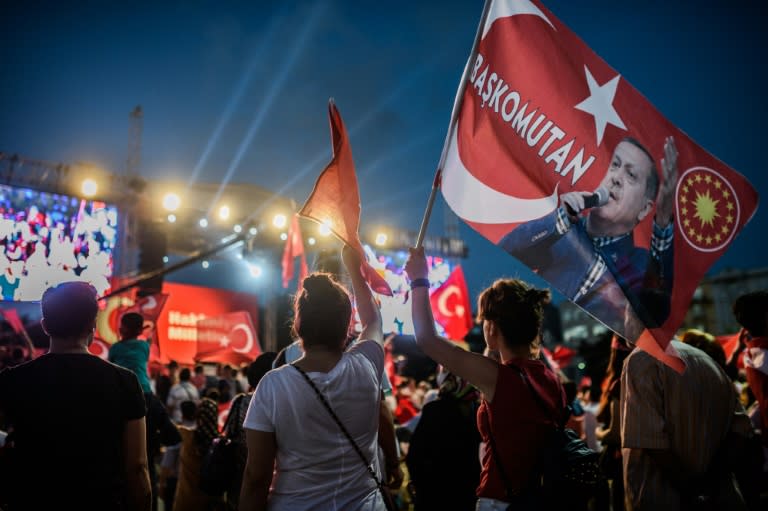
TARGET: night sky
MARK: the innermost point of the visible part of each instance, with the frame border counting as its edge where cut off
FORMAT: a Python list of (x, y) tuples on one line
[(241, 89)]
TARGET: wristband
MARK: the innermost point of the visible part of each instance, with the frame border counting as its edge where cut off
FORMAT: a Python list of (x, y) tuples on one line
[(419, 283)]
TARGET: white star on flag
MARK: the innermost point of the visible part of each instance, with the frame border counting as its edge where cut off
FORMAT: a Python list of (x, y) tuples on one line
[(224, 341), (600, 104)]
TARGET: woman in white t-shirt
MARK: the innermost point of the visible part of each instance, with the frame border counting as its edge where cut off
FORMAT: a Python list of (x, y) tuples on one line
[(288, 428)]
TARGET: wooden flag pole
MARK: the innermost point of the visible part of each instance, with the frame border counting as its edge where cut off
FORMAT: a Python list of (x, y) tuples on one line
[(452, 125)]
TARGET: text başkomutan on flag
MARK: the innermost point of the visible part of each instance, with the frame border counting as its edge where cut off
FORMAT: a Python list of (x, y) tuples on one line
[(335, 199), (557, 159)]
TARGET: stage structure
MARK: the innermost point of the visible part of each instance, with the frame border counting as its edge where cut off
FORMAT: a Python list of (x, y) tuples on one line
[(154, 221)]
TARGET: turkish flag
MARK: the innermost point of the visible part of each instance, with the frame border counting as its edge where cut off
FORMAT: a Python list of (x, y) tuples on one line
[(228, 338), (451, 307), (335, 199), (150, 306), (539, 115), (563, 355), (730, 345), (551, 362), (294, 247)]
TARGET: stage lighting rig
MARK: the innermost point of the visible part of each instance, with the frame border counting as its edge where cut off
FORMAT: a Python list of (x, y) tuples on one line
[(171, 202)]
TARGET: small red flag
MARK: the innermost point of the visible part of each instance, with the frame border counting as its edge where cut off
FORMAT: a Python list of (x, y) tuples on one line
[(335, 199), (149, 306), (563, 355), (730, 344), (294, 247), (228, 338), (450, 303)]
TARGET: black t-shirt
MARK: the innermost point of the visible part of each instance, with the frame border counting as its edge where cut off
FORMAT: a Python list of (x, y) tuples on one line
[(68, 413)]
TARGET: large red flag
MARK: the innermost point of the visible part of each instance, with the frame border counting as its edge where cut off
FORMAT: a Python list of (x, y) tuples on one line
[(294, 247), (450, 303), (227, 338), (542, 122), (150, 307), (335, 200)]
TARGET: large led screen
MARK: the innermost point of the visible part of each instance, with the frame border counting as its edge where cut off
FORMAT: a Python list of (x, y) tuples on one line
[(48, 238), (396, 309)]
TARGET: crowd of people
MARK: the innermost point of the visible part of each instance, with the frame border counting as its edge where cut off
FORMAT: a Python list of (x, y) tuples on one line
[(59, 237), (321, 426)]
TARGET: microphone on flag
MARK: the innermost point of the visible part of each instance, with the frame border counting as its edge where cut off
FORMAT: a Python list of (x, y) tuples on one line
[(598, 199)]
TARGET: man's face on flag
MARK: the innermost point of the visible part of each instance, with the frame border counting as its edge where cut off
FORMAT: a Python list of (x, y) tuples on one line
[(626, 182)]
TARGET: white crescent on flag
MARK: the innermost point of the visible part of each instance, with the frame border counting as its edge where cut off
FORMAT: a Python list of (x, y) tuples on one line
[(501, 9), (248, 335), (150, 304), (442, 302), (474, 201), (471, 199)]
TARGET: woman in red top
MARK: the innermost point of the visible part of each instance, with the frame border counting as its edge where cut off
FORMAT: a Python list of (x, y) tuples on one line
[(509, 418)]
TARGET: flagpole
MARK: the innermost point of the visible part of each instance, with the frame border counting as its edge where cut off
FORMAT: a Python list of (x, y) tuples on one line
[(177, 266), (451, 125)]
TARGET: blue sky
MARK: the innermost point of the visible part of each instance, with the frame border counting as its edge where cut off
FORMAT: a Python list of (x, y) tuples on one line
[(73, 72)]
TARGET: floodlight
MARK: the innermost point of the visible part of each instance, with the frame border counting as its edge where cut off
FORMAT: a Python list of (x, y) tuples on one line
[(171, 202), (89, 187)]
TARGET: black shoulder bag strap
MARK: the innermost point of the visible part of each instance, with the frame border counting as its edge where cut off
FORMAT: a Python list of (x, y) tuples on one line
[(368, 466)]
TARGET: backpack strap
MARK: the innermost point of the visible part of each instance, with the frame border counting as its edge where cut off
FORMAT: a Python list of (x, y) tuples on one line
[(560, 424)]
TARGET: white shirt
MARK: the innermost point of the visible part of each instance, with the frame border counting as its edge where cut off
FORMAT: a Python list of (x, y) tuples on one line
[(293, 352), (317, 467), (180, 392)]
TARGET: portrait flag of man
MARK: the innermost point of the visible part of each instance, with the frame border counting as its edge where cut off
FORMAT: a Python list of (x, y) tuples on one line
[(451, 307), (552, 155), (335, 199)]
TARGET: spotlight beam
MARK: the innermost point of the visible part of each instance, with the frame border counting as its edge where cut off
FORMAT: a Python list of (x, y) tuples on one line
[(277, 85), (234, 100), (322, 156)]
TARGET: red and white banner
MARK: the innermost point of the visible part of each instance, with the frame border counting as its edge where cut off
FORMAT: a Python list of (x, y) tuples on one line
[(150, 307), (731, 344), (227, 338), (555, 157), (186, 305), (451, 307), (100, 348), (108, 321), (176, 310)]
